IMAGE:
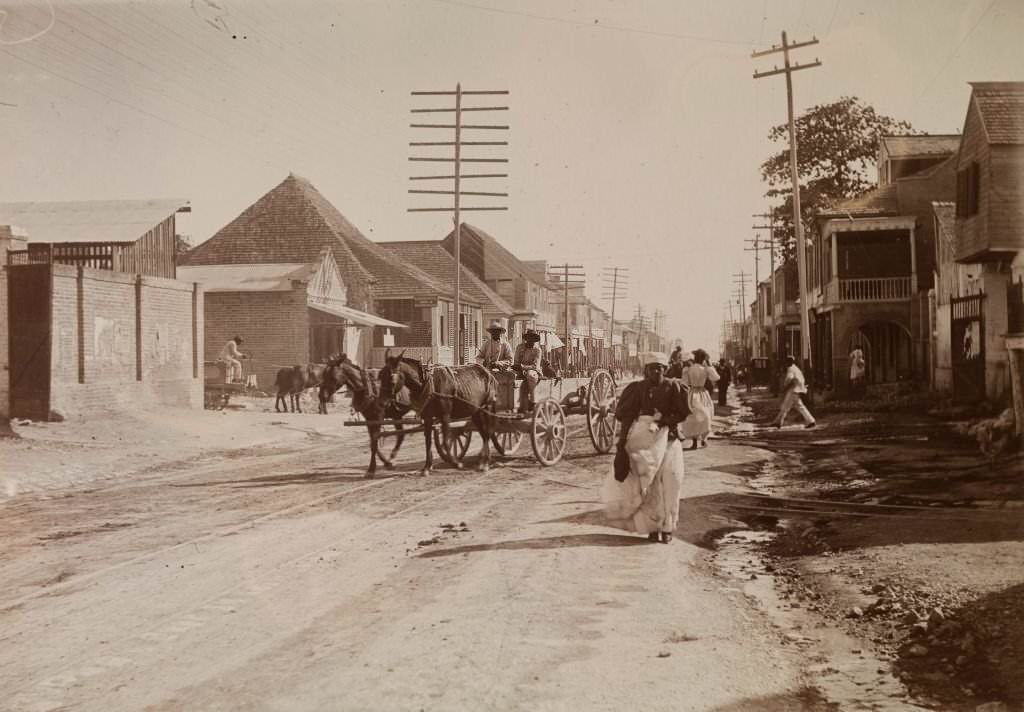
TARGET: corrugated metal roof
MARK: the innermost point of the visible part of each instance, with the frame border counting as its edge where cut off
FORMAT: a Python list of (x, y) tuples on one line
[(921, 146), (878, 201), (273, 277), (89, 220)]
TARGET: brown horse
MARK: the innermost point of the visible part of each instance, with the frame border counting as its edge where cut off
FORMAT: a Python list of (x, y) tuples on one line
[(442, 393), (367, 402), (291, 382)]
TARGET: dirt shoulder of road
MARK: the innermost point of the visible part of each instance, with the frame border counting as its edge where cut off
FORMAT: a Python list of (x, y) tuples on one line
[(895, 528), (43, 457)]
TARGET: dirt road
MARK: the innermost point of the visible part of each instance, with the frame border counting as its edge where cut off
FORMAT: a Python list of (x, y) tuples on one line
[(281, 579)]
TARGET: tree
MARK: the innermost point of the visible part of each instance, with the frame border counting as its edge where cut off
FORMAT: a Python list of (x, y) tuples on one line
[(837, 145)]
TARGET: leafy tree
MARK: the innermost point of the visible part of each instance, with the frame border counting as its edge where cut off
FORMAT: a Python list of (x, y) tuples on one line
[(837, 145)]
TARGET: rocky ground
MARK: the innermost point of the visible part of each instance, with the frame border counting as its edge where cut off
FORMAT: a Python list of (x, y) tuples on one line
[(893, 527)]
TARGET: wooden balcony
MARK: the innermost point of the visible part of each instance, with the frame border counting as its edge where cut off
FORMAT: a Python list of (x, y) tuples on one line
[(869, 289)]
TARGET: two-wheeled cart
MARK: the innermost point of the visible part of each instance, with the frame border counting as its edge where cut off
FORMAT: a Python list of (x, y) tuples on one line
[(546, 424)]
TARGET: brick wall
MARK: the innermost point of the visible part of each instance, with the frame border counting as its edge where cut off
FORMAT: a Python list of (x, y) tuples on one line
[(274, 325), (5, 369), (117, 342)]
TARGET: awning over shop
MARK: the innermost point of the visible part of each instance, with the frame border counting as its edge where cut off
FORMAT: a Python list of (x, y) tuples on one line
[(355, 316), (551, 340)]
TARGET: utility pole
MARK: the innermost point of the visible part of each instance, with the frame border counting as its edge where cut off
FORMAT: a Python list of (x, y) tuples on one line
[(756, 246), (641, 324), (615, 286), (457, 177), (801, 257), (567, 275)]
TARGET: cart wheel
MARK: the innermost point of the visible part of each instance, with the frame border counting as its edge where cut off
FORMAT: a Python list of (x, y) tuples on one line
[(601, 410), (507, 442), (548, 433), (454, 449)]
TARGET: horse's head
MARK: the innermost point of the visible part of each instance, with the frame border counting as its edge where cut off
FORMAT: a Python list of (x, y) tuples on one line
[(400, 372)]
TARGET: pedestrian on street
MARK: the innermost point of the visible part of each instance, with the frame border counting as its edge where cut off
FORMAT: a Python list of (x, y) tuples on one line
[(643, 493), (699, 378), (858, 371), (725, 378), (793, 387), (232, 358)]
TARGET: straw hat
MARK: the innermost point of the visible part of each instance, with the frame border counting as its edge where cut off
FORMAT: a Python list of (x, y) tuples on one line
[(496, 326)]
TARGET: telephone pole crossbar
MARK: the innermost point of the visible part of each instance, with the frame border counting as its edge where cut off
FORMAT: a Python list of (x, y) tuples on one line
[(457, 159)]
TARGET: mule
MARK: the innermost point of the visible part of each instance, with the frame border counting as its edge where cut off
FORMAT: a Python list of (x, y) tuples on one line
[(291, 382), (442, 393), (364, 387)]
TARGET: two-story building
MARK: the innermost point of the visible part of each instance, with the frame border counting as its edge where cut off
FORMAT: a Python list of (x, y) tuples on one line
[(521, 284), (870, 268), (989, 233)]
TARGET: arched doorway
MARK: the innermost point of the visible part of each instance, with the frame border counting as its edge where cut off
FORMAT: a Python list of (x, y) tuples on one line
[(888, 351)]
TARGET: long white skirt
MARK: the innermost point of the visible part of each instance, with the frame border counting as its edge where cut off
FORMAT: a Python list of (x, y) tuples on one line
[(702, 409), (648, 499)]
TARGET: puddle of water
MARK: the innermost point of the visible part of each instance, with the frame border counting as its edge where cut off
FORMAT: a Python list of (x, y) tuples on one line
[(844, 670)]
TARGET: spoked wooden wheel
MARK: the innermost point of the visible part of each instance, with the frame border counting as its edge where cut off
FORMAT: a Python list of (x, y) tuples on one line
[(453, 450), (548, 432), (601, 410), (507, 442)]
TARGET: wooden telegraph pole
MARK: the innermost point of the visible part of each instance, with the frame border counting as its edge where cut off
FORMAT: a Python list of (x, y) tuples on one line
[(457, 176), (616, 284), (801, 257), (567, 275)]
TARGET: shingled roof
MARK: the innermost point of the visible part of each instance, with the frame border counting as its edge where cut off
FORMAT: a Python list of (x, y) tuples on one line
[(292, 223), (1001, 105), (878, 201), (431, 257), (495, 250), (903, 147)]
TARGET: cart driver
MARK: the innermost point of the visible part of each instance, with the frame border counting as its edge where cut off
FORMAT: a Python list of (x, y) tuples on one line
[(495, 353), (232, 357), (527, 363)]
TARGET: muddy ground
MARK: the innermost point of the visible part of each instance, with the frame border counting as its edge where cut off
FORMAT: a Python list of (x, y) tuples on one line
[(894, 528)]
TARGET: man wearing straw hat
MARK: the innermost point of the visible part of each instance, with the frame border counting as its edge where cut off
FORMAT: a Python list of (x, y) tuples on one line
[(644, 495), (496, 352), (527, 363)]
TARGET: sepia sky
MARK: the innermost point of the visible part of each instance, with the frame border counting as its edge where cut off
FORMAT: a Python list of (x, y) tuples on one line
[(636, 127)]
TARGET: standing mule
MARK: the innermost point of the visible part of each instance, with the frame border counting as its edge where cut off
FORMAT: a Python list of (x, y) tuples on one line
[(443, 392), (367, 402), (291, 382)]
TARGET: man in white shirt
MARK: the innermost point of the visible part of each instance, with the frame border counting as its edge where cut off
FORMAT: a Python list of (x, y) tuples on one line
[(231, 356), (793, 386)]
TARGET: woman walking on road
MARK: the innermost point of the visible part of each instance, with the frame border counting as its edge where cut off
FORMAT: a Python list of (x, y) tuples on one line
[(644, 494), (700, 377)]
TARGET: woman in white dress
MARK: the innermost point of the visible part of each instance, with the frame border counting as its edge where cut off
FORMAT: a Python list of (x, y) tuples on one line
[(699, 378)]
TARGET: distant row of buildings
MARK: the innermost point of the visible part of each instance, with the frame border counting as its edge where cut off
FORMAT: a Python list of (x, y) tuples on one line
[(103, 308), (924, 272)]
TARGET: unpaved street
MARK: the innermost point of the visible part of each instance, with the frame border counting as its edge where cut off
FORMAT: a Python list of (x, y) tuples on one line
[(281, 579)]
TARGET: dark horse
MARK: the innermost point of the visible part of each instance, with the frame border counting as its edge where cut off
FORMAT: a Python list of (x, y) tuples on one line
[(367, 402), (442, 393)]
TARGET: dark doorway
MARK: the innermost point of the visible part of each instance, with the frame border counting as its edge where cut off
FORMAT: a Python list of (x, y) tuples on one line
[(967, 342), (28, 293)]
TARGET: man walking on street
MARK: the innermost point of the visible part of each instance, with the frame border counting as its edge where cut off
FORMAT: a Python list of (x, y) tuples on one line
[(725, 373), (793, 387)]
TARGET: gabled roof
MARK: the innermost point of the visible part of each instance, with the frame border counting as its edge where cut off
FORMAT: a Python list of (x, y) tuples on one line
[(89, 220), (904, 147), (1001, 105), (292, 223), (431, 257), (878, 201), (495, 250)]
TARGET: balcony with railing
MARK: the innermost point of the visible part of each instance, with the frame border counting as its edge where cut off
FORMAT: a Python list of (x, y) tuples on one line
[(875, 289)]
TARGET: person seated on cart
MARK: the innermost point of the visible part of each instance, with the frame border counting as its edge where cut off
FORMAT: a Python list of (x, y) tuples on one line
[(495, 354), (527, 364), (231, 357)]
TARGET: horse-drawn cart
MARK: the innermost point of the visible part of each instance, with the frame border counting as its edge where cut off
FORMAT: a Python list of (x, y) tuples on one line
[(546, 424), (217, 391)]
